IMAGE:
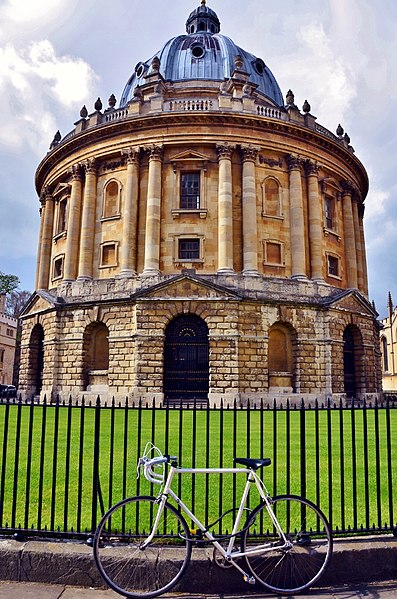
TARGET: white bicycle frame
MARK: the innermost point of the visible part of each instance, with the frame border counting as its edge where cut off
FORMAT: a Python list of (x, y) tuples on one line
[(229, 554)]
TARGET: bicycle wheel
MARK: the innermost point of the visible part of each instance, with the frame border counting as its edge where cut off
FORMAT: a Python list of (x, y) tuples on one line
[(299, 565), (132, 568)]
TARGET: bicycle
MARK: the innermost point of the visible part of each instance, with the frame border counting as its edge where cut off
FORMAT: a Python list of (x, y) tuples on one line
[(143, 545)]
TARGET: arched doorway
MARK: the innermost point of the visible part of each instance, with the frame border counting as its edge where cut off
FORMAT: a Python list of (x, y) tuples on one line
[(349, 363), (186, 359), (37, 358)]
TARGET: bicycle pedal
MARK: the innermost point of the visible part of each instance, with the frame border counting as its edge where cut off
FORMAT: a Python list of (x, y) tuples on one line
[(249, 579)]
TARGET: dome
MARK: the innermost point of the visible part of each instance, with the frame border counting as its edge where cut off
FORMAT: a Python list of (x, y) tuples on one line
[(204, 54)]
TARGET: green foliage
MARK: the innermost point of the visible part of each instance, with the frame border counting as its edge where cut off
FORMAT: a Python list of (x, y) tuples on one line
[(8, 282)]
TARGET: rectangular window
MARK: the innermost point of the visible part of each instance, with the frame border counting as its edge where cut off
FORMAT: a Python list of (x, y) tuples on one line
[(1, 355), (109, 256), (190, 191), (58, 268), (9, 333), (189, 249), (274, 253), (329, 213), (62, 212), (333, 266)]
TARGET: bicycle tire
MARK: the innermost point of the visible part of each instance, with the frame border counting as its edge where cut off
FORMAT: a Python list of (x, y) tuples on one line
[(298, 567), (125, 566)]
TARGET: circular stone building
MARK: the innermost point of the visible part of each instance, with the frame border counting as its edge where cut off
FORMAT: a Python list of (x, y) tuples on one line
[(202, 240)]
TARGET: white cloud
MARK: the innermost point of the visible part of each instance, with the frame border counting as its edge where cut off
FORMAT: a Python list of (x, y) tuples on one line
[(35, 86), (21, 11)]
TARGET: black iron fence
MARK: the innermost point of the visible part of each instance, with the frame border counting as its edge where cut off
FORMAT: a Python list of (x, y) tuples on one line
[(63, 464)]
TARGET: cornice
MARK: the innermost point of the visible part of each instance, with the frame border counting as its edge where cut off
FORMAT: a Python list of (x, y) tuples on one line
[(155, 122)]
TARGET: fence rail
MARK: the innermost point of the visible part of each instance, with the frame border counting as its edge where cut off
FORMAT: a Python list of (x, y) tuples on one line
[(63, 464)]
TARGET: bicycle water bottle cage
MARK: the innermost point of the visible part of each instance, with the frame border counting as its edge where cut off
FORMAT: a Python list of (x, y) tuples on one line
[(252, 463)]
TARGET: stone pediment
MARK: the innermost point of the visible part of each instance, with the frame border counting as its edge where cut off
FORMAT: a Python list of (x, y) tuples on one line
[(39, 302), (189, 156), (184, 287), (353, 301)]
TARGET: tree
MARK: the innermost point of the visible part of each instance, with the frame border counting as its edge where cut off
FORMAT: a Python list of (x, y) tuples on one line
[(16, 301), (8, 282)]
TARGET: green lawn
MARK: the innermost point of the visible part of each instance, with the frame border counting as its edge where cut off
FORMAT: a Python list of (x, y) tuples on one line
[(339, 459)]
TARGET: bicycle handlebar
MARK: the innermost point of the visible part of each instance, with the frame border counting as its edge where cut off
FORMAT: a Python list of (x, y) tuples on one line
[(149, 463)]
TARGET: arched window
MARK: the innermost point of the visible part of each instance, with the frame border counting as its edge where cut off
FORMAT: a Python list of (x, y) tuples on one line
[(272, 205), (281, 357), (111, 200), (385, 356)]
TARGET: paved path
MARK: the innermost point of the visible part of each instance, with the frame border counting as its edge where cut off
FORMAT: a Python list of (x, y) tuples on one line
[(23, 590)]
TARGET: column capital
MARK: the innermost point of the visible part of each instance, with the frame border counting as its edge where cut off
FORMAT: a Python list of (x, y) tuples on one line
[(347, 187), (76, 172), (294, 162), (155, 152), (225, 150), (132, 154), (45, 195), (311, 168), (249, 153), (91, 166)]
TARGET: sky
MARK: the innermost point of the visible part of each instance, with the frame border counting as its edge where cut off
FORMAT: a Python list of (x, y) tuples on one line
[(57, 55)]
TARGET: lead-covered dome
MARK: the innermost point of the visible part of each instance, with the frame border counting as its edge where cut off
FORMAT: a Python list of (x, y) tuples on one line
[(204, 54)]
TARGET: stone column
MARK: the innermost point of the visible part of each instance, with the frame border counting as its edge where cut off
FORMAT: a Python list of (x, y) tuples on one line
[(315, 222), (225, 210), (250, 225), (359, 249), (41, 212), (153, 213), (130, 215), (73, 226), (48, 205), (361, 210), (88, 222), (349, 236), (298, 250)]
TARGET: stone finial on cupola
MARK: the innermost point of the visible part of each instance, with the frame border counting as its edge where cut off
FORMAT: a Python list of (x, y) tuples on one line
[(98, 105), (306, 107), (84, 112), (155, 65), (112, 101), (340, 131)]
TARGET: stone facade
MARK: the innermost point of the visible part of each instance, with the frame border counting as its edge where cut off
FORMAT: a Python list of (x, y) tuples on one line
[(388, 341), (205, 199)]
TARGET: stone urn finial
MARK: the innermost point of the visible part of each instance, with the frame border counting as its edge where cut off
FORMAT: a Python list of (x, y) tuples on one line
[(155, 64), (84, 112), (306, 107), (112, 101), (290, 98), (98, 105), (339, 130)]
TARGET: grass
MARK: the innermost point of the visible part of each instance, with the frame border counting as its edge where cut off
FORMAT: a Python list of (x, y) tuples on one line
[(339, 459)]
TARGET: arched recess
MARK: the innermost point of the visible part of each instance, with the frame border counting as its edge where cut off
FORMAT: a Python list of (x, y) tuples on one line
[(111, 199), (36, 358), (353, 362), (186, 358), (281, 357), (271, 198), (96, 356)]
